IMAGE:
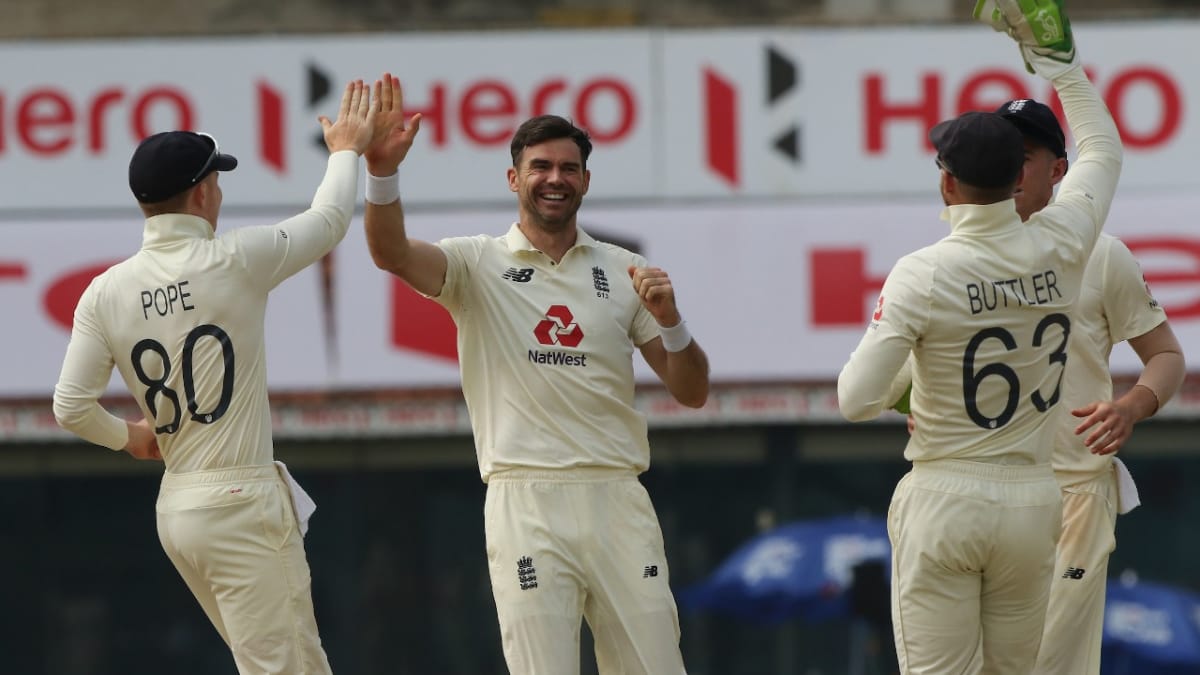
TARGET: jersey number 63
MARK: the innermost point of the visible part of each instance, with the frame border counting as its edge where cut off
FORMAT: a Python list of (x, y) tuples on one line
[(972, 378)]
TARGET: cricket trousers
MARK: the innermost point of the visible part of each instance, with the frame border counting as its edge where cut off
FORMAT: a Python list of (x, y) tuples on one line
[(566, 544), (233, 537), (972, 554), (1075, 617)]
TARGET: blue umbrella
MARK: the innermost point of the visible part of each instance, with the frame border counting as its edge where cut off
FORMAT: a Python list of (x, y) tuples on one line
[(1150, 629), (797, 570)]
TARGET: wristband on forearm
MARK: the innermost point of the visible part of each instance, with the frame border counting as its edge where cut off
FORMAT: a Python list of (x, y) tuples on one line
[(383, 190), (677, 337)]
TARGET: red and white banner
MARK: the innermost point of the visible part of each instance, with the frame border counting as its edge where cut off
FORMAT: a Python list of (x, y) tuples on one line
[(846, 112), (72, 113), (674, 114), (775, 292)]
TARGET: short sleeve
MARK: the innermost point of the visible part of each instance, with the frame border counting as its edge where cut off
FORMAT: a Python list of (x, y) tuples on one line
[(462, 255), (1129, 305)]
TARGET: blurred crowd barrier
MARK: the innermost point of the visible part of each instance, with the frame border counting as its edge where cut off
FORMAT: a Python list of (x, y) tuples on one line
[(39, 19)]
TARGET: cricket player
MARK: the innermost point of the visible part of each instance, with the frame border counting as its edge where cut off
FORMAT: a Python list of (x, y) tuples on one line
[(985, 315), (548, 320), (182, 321), (1114, 305)]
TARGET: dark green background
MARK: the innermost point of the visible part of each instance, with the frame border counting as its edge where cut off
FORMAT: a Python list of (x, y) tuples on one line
[(397, 556)]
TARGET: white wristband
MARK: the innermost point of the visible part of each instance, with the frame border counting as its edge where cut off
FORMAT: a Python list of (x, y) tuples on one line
[(383, 190), (677, 337)]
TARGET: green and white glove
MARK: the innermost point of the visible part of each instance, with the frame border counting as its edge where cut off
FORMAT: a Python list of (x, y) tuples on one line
[(904, 404), (1040, 27)]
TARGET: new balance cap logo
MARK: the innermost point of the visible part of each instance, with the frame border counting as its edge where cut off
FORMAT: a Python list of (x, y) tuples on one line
[(1018, 104)]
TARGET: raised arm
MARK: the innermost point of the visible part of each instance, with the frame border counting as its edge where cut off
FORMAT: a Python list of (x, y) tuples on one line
[(1047, 44), (275, 252), (1092, 180), (421, 264)]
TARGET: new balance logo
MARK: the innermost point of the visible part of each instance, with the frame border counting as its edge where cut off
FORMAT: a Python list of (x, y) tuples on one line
[(526, 574), (1073, 573), (600, 282), (520, 275), (650, 571), (1018, 105)]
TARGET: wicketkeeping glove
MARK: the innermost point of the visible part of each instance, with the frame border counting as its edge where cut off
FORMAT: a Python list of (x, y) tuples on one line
[(1040, 27), (904, 404)]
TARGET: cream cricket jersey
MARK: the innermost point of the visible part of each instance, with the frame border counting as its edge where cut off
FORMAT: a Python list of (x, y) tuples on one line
[(546, 351), (1114, 305), (182, 320), (985, 312)]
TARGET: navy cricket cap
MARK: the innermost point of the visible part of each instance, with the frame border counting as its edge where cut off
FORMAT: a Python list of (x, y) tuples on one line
[(979, 148), (1037, 122), (167, 163)]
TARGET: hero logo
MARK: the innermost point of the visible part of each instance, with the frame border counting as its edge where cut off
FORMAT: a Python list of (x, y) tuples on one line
[(487, 111), (840, 282), (558, 328), (45, 121), (1146, 102), (49, 122), (722, 146)]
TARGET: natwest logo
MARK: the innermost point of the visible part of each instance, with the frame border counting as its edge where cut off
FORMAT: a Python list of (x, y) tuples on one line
[(47, 121), (558, 328)]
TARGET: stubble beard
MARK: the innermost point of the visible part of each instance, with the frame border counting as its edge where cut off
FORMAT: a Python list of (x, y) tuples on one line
[(552, 224)]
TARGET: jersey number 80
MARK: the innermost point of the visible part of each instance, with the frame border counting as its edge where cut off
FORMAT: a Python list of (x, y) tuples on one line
[(158, 386)]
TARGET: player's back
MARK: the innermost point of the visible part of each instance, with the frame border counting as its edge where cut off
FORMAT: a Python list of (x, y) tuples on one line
[(989, 361), (184, 321)]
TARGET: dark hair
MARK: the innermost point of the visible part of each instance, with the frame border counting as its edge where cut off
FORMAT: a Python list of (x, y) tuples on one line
[(985, 195), (544, 128), (173, 204)]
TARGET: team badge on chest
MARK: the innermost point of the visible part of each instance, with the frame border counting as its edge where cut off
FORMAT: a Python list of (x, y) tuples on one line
[(600, 282)]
